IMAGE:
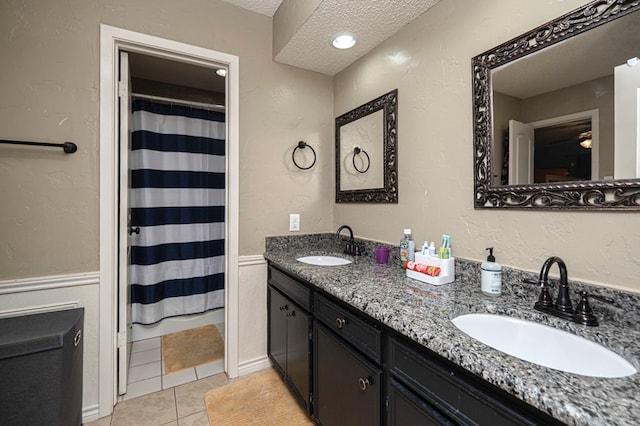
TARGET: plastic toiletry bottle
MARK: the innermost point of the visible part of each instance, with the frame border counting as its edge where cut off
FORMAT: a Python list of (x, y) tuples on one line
[(432, 248), (407, 247), (491, 278), (412, 248), (425, 248)]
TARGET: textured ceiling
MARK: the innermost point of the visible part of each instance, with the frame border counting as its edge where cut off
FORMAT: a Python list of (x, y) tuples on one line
[(371, 21), (264, 7)]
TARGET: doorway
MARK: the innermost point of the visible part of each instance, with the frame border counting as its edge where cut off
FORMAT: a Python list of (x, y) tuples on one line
[(558, 149), (113, 41), (172, 218)]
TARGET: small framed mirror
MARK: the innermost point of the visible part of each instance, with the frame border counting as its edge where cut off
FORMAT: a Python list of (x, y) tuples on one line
[(366, 152), (556, 114)]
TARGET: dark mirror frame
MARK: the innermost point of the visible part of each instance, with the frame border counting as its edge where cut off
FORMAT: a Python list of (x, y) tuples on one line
[(621, 194), (389, 193)]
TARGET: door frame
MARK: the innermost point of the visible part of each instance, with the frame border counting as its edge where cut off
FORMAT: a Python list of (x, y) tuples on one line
[(112, 40), (594, 116), (123, 345)]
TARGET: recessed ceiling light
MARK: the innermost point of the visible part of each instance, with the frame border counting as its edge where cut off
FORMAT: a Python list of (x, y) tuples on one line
[(221, 72), (344, 41)]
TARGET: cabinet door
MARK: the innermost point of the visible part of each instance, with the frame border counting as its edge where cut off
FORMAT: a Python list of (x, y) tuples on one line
[(298, 351), (277, 330), (347, 387), (406, 408)]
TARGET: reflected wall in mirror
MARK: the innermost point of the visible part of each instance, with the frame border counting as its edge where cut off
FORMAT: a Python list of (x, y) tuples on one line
[(557, 113), (366, 152), (361, 140)]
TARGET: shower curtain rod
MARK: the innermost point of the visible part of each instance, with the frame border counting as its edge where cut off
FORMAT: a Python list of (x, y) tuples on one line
[(179, 102)]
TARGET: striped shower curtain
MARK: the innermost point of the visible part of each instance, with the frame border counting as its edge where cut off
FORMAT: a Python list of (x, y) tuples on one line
[(177, 200)]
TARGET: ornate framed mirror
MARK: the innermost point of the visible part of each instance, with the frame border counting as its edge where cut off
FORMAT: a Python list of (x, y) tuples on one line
[(557, 114), (366, 152)]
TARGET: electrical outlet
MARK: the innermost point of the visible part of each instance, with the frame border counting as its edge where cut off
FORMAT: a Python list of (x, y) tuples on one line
[(294, 222)]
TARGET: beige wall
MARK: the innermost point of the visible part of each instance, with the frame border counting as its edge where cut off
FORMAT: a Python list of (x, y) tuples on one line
[(50, 92), (429, 62)]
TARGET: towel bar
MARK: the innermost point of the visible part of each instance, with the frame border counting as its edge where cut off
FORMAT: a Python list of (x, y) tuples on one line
[(68, 147)]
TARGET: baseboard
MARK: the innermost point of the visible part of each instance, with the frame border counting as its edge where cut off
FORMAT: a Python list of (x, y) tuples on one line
[(90, 413), (254, 365)]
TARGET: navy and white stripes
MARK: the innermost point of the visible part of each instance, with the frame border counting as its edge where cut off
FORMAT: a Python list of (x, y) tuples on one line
[(177, 198)]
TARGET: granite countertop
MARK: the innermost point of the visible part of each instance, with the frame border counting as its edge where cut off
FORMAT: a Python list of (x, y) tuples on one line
[(423, 313)]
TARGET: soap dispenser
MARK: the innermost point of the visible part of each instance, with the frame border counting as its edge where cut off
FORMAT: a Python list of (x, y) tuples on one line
[(491, 278)]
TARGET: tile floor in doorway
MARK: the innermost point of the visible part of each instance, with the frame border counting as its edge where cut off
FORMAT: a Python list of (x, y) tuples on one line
[(177, 406), (155, 398)]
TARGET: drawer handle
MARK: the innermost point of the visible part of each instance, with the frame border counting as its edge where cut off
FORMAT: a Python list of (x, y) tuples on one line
[(291, 314), (284, 307), (340, 322), (76, 338), (363, 383)]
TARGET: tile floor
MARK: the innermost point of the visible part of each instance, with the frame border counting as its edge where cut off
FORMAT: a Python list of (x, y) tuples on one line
[(155, 398), (177, 406)]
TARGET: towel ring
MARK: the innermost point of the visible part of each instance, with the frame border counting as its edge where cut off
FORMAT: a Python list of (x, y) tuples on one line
[(357, 150), (302, 145)]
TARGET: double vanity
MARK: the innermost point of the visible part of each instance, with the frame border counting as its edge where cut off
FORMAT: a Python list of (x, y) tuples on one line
[(360, 343)]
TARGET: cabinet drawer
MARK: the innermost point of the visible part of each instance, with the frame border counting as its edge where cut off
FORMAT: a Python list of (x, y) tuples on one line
[(406, 408), (298, 292), (450, 391), (362, 334)]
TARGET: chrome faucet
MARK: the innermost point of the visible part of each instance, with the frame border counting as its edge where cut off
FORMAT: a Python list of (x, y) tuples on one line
[(562, 307), (351, 248)]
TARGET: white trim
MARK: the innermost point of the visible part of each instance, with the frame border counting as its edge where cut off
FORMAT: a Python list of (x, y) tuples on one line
[(90, 413), (112, 40), (254, 365), (257, 259), (39, 309), (50, 282)]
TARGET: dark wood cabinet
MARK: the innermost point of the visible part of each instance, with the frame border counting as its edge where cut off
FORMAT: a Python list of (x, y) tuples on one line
[(277, 338), (352, 326), (442, 388), (289, 344), (347, 368), (348, 388), (299, 352), (407, 408), (347, 372)]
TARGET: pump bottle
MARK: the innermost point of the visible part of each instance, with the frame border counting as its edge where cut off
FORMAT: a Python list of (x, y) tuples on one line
[(491, 275)]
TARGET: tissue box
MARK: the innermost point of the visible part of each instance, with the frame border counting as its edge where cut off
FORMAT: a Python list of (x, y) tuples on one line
[(447, 270)]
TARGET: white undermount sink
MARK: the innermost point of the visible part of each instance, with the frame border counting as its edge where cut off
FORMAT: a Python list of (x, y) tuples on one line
[(543, 345), (324, 260)]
